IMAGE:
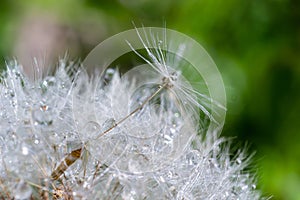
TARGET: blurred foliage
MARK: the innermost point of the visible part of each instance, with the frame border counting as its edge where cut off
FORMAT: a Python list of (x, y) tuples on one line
[(255, 44)]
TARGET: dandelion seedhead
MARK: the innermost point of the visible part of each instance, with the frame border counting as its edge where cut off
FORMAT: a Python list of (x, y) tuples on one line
[(88, 131)]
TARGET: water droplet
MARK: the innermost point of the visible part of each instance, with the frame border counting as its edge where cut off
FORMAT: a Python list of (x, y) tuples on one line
[(226, 194), (42, 116), (109, 123), (43, 107), (191, 159), (174, 76), (13, 103), (173, 130), (172, 189), (134, 148), (62, 84), (48, 82), (108, 76), (214, 164), (163, 145), (85, 184), (245, 187), (168, 139), (90, 130), (25, 150), (146, 148), (22, 191), (239, 161), (17, 73), (11, 139), (9, 93)]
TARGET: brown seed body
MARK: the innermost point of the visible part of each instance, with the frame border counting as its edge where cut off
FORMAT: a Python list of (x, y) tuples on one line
[(67, 162)]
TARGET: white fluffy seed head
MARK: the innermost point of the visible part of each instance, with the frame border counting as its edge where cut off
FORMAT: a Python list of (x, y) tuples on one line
[(69, 136)]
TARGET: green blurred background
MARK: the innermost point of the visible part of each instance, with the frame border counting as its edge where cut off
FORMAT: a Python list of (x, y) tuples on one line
[(255, 44)]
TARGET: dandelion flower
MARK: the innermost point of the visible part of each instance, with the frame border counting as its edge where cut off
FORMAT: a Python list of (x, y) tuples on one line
[(77, 134)]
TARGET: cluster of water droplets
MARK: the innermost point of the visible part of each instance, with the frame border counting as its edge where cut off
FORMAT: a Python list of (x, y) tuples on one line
[(150, 153), (33, 129)]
